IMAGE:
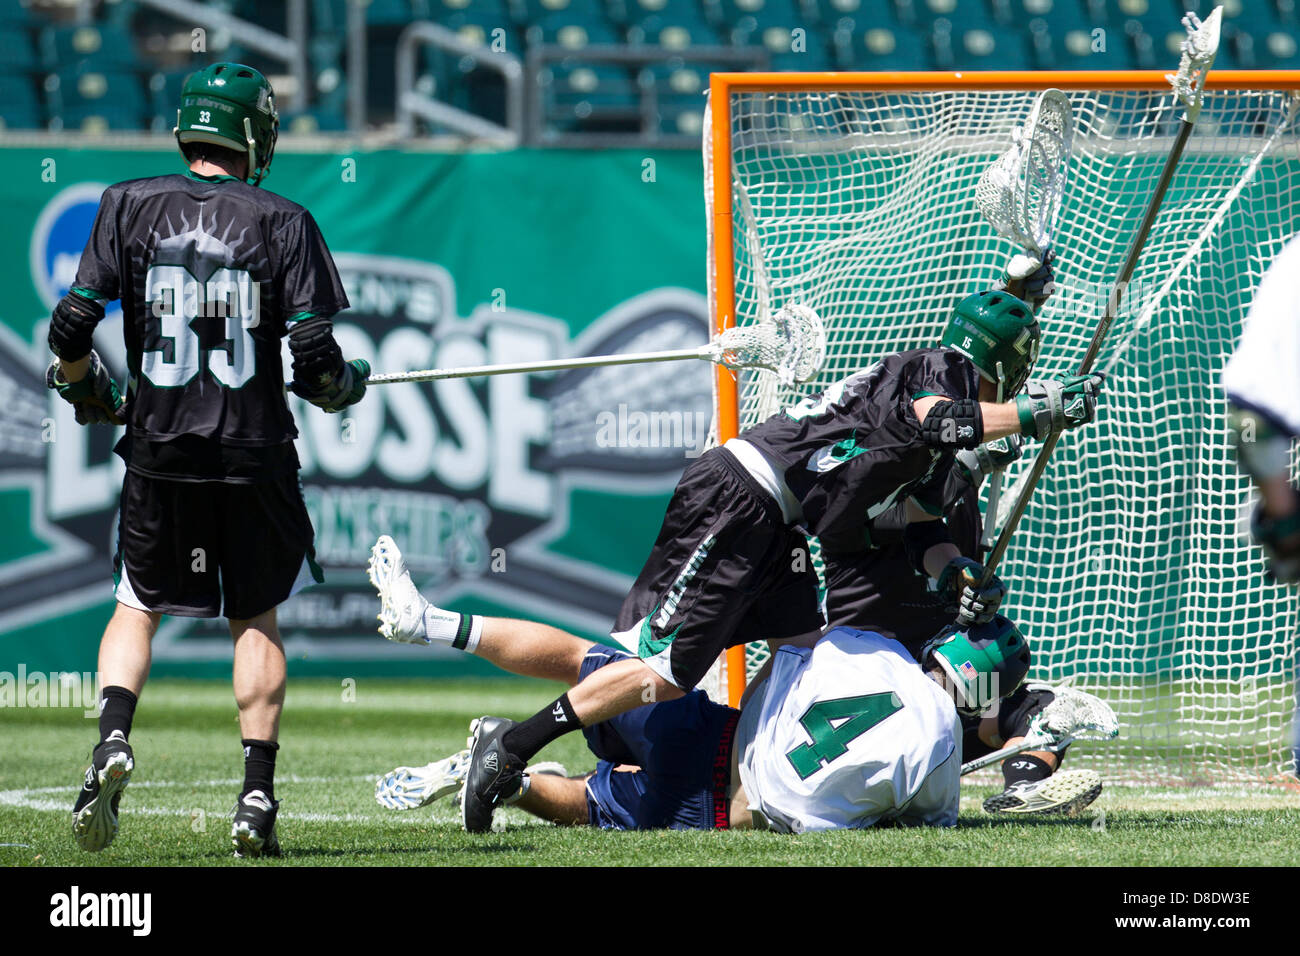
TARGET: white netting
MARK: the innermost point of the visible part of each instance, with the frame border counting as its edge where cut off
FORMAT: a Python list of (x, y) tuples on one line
[(1127, 572)]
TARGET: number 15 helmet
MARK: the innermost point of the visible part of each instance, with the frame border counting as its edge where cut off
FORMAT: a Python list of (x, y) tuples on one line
[(999, 334), (230, 105)]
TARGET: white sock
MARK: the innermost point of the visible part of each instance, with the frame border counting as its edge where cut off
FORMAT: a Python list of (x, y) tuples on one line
[(461, 631)]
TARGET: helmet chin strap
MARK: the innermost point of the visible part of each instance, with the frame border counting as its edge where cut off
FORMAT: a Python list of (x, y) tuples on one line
[(253, 169)]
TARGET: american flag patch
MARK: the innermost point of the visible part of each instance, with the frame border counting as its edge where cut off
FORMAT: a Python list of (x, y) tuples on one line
[(967, 670)]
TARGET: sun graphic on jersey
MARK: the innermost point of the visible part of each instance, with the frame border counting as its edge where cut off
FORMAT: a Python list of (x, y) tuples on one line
[(200, 251)]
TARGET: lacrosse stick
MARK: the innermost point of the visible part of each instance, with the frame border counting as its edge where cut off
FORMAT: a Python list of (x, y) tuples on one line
[(1189, 87), (1020, 197), (1072, 715), (793, 345)]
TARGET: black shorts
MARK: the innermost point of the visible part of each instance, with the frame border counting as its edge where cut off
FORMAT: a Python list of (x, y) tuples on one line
[(212, 548), (725, 570)]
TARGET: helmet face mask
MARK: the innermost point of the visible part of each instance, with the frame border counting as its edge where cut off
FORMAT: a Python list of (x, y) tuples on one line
[(1000, 336), (983, 665), (232, 106)]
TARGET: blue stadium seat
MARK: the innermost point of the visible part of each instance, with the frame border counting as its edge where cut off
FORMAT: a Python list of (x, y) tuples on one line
[(590, 97), (165, 98), (680, 93), (988, 48), (882, 48), (1281, 49), (454, 13), (782, 13), (17, 52), (90, 99), (834, 15), (807, 51), (580, 23), (104, 46), (673, 34), (22, 107)]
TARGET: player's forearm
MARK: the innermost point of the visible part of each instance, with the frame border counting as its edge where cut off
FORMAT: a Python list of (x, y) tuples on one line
[(1278, 497), (1000, 420), (937, 558), (75, 370)]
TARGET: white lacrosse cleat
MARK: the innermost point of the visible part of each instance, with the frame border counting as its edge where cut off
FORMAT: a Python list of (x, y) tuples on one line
[(1067, 791), (407, 788), (401, 605)]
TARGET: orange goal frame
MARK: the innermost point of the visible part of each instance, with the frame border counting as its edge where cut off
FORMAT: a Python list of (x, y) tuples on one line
[(722, 85)]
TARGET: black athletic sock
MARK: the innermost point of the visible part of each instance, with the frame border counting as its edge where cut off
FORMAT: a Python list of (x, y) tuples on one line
[(550, 723), (116, 711), (259, 767), (1024, 767)]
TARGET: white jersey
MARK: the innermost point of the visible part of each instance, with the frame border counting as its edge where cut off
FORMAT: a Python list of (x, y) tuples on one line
[(1264, 372), (848, 733)]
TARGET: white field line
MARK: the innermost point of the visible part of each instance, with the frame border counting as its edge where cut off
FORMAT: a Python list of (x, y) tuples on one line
[(59, 799)]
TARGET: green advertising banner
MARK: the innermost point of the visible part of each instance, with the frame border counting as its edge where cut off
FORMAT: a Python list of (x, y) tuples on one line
[(535, 496)]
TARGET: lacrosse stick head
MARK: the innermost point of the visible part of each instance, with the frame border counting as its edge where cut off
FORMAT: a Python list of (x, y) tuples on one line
[(1020, 194), (1074, 715), (1199, 49), (792, 343)]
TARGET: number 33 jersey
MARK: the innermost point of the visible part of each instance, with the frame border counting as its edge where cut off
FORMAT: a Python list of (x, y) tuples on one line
[(210, 272), (850, 733)]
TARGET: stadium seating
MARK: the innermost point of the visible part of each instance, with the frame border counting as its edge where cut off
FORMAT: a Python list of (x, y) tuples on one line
[(122, 70)]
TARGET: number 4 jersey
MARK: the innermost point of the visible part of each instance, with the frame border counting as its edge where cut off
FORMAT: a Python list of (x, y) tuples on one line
[(849, 733), (210, 272)]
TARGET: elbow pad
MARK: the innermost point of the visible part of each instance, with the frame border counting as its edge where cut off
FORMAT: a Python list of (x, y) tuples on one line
[(72, 326), (919, 537), (317, 359), (952, 424)]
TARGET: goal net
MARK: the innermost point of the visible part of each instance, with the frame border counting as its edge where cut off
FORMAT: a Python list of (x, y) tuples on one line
[(854, 194)]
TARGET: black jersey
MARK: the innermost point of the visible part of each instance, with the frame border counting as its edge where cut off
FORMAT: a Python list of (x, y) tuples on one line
[(878, 589), (854, 451), (210, 272)]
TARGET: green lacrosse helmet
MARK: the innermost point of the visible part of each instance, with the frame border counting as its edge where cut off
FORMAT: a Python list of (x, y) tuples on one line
[(999, 334), (985, 663), (230, 105)]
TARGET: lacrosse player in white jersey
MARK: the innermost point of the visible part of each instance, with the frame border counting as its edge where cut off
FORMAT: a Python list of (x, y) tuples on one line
[(1262, 379), (845, 732)]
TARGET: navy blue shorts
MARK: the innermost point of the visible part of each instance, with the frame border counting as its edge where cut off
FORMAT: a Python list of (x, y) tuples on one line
[(683, 748)]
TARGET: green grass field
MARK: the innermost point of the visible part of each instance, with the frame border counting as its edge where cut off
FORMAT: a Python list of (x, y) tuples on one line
[(189, 767)]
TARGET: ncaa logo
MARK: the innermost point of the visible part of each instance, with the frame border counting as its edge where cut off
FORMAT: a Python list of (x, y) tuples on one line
[(58, 238)]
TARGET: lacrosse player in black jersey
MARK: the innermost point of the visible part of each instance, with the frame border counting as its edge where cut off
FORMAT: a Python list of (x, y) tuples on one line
[(731, 558), (212, 273), (881, 588)]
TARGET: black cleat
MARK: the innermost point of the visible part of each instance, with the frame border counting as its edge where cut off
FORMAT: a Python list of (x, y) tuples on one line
[(253, 832), (94, 815), (493, 776)]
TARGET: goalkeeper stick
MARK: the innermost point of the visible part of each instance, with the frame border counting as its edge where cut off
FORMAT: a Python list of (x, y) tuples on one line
[(1189, 87), (793, 345), (1072, 715), (1020, 197)]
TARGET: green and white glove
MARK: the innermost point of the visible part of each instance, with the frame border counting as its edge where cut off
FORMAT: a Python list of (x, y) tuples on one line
[(1049, 407), (978, 463), (347, 388), (96, 397)]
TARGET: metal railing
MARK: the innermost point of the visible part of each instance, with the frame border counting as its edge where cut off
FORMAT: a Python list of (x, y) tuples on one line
[(412, 104), (290, 49), (540, 58)]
